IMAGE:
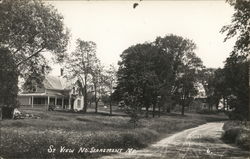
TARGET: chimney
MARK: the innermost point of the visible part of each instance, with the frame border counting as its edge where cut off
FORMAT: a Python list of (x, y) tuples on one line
[(61, 71)]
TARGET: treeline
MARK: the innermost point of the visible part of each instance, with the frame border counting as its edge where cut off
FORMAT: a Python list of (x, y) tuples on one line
[(166, 72)]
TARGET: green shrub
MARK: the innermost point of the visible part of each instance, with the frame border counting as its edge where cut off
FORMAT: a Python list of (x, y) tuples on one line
[(230, 135), (243, 139), (238, 133)]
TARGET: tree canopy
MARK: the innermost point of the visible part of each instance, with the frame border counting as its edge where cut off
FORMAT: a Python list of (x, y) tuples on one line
[(240, 26), (28, 28), (164, 69), (236, 69)]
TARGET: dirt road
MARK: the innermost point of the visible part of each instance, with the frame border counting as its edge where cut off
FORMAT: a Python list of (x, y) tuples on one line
[(199, 142)]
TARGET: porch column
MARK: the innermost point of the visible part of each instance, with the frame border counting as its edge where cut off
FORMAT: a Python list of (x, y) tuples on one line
[(63, 102), (48, 102), (55, 101), (29, 100), (69, 102), (32, 101)]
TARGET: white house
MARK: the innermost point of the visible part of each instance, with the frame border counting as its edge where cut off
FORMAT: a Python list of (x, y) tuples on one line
[(54, 91)]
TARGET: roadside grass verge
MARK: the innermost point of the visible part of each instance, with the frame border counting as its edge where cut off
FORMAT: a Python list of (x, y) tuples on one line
[(31, 138), (238, 133)]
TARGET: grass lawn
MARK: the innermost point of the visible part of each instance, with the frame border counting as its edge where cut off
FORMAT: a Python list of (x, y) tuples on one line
[(31, 138)]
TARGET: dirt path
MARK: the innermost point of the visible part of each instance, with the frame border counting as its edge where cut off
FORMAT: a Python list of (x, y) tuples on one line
[(199, 142)]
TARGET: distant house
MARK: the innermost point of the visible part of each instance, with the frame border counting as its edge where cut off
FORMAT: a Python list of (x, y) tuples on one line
[(55, 91)]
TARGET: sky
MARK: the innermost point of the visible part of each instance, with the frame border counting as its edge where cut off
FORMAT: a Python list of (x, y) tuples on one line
[(115, 25)]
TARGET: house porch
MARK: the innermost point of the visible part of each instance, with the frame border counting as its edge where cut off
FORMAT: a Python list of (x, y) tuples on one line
[(39, 101)]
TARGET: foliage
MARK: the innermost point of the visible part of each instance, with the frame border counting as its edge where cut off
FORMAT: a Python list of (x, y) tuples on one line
[(237, 82), (239, 26), (25, 35), (96, 80), (231, 85), (236, 68), (178, 69), (212, 81), (186, 90), (109, 81), (137, 77), (238, 133), (35, 72), (132, 108), (164, 69), (29, 28)]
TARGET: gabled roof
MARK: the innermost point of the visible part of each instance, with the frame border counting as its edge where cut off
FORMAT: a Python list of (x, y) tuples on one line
[(58, 83)]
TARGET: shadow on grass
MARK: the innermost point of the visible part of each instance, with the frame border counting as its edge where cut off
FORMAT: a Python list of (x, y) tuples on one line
[(91, 113)]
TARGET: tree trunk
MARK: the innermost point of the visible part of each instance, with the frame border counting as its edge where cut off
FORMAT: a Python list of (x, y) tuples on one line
[(90, 103), (217, 105), (249, 87), (159, 110), (153, 110), (182, 109), (96, 106), (85, 99), (96, 101), (110, 105), (168, 108), (147, 111), (1, 114)]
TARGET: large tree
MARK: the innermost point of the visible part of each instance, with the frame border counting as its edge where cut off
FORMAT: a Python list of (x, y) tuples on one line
[(237, 62), (137, 79), (98, 81), (178, 64), (80, 64), (163, 70), (110, 83), (27, 29), (30, 29)]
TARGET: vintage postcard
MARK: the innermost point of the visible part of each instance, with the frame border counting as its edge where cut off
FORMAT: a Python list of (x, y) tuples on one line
[(120, 79)]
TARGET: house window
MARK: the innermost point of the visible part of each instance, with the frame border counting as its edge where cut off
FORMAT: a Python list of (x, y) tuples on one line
[(34, 89), (39, 101)]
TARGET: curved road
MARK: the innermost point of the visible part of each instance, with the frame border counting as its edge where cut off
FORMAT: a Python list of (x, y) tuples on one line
[(199, 142)]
